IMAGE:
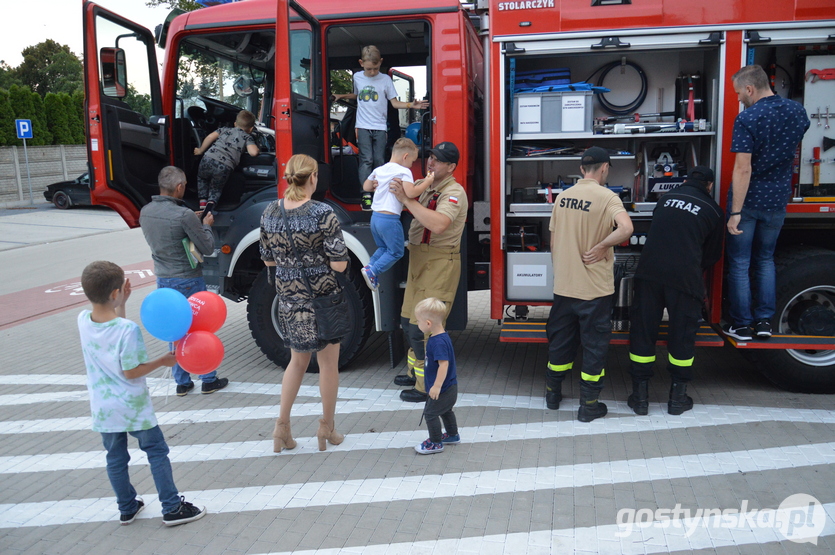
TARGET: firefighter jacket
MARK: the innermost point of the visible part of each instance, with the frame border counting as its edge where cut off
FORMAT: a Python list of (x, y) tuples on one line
[(685, 238)]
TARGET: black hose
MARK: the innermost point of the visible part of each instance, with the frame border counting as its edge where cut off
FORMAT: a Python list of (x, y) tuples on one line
[(624, 109)]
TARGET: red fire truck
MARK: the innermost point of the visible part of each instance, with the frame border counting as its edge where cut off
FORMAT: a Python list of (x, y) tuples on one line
[(501, 81)]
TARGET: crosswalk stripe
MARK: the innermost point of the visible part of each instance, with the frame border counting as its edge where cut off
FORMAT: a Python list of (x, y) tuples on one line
[(592, 539), (699, 417), (433, 486)]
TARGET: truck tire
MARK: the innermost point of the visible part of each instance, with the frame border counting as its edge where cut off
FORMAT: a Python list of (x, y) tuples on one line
[(805, 306), (261, 307)]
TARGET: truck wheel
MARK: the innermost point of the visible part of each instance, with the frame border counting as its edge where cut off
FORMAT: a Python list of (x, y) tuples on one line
[(805, 306), (261, 307)]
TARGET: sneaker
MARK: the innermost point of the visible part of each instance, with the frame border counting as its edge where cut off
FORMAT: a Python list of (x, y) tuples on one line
[(370, 278), (429, 448), (182, 390), (404, 379), (743, 333), (216, 385), (446, 438), (128, 518), (763, 329), (186, 512)]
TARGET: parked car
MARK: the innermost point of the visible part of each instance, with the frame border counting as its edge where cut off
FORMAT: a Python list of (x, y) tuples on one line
[(67, 194)]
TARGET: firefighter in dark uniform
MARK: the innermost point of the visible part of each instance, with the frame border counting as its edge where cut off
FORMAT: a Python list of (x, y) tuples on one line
[(582, 241), (685, 239), (440, 214)]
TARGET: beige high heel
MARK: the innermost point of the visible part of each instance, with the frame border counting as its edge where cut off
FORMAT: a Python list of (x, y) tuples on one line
[(327, 433), (282, 437)]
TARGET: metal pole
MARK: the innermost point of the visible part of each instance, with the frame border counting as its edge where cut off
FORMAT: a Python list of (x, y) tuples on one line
[(28, 177)]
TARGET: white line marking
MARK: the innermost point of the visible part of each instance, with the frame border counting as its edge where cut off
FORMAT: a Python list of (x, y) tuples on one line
[(699, 417), (593, 539), (429, 486)]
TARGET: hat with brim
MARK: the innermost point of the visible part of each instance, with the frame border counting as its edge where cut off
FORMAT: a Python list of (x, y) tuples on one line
[(446, 152)]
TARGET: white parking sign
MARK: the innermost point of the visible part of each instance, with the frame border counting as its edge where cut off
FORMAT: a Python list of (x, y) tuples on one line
[(24, 128)]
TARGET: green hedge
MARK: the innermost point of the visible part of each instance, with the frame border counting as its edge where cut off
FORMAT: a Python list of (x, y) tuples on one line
[(58, 119)]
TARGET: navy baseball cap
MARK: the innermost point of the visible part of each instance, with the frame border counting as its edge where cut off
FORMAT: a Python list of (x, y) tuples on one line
[(446, 152)]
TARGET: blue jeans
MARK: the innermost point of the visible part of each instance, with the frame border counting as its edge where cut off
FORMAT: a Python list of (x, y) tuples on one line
[(372, 145), (388, 236), (153, 443), (751, 260), (188, 287)]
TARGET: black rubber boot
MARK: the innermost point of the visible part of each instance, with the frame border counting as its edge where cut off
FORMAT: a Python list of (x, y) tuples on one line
[(679, 400), (553, 388), (639, 400), (590, 407)]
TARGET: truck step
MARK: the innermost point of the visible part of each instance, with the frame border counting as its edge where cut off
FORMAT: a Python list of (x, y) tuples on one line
[(533, 331)]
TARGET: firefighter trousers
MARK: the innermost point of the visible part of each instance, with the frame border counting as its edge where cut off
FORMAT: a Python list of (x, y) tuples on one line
[(417, 353), (572, 323), (647, 310)]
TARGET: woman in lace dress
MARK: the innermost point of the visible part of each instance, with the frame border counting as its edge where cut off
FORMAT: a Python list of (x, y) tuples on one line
[(318, 238)]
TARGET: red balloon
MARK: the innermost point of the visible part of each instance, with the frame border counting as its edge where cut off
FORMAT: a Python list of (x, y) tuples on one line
[(208, 311), (199, 352)]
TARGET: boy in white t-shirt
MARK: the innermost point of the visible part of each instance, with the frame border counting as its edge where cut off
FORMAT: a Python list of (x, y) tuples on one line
[(385, 221), (117, 363), (371, 90)]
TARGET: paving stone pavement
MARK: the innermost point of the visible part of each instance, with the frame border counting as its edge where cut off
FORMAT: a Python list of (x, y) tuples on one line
[(524, 480)]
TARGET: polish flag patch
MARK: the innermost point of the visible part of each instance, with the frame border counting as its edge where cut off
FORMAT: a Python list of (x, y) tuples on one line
[(453, 200)]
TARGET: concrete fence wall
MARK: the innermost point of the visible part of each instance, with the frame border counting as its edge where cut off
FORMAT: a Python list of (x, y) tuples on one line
[(47, 164)]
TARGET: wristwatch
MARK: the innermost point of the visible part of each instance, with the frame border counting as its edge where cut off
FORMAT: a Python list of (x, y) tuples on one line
[(734, 213)]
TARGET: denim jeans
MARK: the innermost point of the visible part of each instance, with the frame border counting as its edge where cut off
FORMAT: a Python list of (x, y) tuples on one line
[(188, 287), (388, 236), (372, 145), (153, 443), (751, 266)]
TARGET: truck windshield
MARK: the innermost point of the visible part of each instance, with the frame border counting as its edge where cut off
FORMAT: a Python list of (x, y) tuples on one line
[(224, 73)]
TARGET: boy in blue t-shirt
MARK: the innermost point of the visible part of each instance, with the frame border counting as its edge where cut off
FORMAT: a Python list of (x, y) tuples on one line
[(440, 376), (117, 363)]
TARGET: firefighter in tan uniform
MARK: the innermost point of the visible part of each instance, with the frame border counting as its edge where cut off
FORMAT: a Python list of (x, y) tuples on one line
[(582, 242), (439, 214)]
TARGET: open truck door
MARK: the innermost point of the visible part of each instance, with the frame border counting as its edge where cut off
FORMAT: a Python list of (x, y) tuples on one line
[(300, 121), (127, 142)]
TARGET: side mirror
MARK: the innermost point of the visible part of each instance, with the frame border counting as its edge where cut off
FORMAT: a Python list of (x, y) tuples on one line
[(114, 78), (242, 86)]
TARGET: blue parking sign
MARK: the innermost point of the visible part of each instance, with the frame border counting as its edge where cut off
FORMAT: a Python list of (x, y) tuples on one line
[(24, 128)]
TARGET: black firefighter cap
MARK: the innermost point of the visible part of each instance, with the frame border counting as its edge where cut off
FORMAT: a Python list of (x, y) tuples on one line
[(446, 152), (595, 155), (701, 173)]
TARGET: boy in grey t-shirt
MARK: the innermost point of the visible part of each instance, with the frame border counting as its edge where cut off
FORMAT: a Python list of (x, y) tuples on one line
[(371, 90), (224, 147)]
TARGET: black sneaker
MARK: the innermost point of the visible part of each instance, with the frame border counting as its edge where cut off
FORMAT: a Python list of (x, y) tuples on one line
[(404, 379), (186, 512), (216, 385), (763, 329), (128, 518), (743, 333), (182, 390)]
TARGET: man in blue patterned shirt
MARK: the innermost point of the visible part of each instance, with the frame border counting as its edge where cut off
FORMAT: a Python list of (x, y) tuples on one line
[(765, 138)]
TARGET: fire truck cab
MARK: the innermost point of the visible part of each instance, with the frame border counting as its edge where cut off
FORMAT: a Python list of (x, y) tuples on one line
[(522, 88)]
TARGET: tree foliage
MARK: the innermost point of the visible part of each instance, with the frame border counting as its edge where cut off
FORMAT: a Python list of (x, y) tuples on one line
[(7, 131), (50, 67), (185, 5), (8, 76), (57, 119), (74, 117)]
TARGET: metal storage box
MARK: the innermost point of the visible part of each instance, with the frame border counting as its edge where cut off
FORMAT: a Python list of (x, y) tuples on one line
[(553, 112), (530, 276)]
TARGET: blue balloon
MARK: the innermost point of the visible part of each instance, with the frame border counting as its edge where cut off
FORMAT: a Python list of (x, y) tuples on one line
[(166, 314)]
